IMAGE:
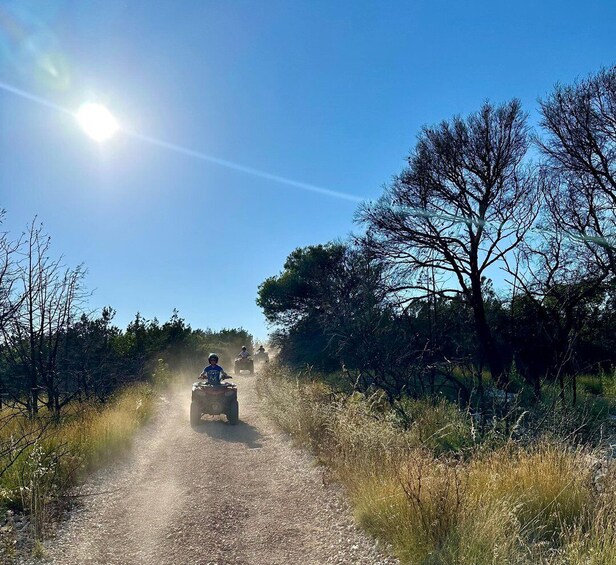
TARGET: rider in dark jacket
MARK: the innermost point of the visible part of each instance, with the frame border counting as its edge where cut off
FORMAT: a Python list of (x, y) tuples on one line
[(213, 373)]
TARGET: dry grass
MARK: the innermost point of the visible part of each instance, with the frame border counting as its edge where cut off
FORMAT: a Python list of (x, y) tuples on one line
[(437, 498), (97, 434), (549, 485), (57, 455), (592, 541)]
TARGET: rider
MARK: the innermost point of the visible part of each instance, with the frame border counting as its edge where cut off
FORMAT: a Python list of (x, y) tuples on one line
[(261, 350), (214, 373), (243, 354)]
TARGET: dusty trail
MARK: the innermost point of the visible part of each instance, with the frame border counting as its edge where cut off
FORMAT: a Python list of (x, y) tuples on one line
[(213, 495)]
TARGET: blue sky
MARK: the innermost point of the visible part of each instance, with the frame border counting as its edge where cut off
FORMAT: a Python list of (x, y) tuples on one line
[(327, 93)]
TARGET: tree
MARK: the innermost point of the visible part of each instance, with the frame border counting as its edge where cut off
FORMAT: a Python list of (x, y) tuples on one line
[(88, 358), (8, 302), (462, 205), (301, 289), (556, 294), (300, 299), (44, 302), (580, 121)]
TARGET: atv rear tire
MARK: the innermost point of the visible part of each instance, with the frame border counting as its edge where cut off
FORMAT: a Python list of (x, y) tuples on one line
[(195, 414), (233, 415)]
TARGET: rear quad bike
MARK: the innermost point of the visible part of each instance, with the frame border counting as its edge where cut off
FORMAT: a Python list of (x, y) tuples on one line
[(244, 364), (261, 357), (214, 400)]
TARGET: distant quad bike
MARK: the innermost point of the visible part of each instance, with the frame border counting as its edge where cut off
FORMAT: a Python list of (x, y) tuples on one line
[(244, 364), (261, 357), (214, 400)]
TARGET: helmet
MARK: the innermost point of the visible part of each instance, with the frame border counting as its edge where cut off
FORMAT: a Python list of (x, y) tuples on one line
[(212, 356), (243, 347)]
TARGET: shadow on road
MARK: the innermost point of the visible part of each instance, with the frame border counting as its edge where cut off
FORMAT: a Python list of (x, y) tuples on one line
[(240, 433)]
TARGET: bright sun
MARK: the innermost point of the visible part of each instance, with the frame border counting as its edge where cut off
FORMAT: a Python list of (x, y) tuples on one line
[(97, 121)]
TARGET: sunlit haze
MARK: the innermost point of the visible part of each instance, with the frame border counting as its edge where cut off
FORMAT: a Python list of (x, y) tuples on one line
[(97, 121)]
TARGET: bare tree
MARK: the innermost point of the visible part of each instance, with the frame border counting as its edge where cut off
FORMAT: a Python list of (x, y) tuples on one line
[(463, 204), (22, 436), (8, 307), (43, 302), (555, 293), (580, 121)]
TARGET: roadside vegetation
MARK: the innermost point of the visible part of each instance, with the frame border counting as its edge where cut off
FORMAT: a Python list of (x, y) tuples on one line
[(38, 477), (442, 491), (453, 363)]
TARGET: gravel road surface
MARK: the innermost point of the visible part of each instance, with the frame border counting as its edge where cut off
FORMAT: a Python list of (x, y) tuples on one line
[(215, 494)]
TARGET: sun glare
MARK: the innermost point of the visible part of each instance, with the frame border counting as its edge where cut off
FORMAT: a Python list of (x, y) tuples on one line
[(97, 121)]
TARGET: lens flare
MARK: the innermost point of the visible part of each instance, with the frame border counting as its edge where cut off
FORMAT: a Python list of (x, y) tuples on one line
[(97, 121), (100, 124), (31, 47)]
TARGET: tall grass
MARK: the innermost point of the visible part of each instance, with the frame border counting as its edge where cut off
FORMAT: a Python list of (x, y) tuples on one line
[(60, 453), (440, 497)]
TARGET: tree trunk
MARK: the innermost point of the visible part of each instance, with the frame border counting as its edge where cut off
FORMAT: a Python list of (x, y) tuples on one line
[(487, 346)]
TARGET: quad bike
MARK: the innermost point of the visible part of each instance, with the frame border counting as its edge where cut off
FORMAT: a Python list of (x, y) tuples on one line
[(244, 364), (261, 357), (214, 400)]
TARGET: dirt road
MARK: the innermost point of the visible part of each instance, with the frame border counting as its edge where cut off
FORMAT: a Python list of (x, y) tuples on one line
[(215, 494)]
